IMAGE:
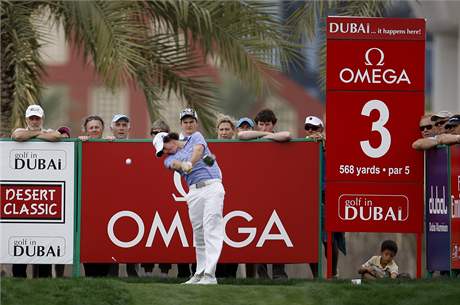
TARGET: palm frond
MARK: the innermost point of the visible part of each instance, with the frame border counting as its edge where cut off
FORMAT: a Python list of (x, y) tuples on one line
[(369, 8), (108, 32), (20, 53), (246, 38)]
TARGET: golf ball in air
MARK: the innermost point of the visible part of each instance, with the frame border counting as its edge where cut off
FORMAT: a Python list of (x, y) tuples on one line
[(128, 161)]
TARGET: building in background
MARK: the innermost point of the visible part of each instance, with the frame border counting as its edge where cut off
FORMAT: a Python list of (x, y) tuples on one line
[(443, 24)]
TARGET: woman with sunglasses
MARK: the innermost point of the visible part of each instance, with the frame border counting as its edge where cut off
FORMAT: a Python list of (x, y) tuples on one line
[(157, 127)]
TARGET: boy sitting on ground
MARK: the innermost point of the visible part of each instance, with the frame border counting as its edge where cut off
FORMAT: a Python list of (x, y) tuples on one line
[(382, 266)]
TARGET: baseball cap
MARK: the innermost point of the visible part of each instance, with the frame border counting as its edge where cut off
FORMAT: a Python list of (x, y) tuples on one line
[(453, 121), (441, 115), (118, 117), (34, 110), (158, 143), (64, 129), (188, 112), (245, 120), (313, 120)]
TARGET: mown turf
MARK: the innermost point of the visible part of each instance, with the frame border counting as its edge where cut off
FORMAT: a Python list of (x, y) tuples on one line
[(84, 291)]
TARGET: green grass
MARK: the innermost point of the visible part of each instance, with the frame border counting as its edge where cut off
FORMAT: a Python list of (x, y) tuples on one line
[(85, 291)]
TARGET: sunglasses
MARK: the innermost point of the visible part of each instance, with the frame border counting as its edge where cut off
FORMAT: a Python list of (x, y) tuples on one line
[(155, 132), (440, 123), (427, 127), (449, 126), (312, 127)]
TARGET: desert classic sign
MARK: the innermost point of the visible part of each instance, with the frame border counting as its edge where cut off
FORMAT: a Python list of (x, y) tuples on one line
[(137, 212), (37, 202), (375, 97)]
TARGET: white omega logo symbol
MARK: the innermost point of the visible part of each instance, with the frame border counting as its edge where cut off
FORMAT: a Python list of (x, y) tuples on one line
[(368, 61), (179, 188)]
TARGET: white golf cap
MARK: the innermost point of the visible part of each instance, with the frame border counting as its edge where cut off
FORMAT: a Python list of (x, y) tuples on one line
[(444, 114), (118, 117), (313, 120), (158, 143), (34, 110)]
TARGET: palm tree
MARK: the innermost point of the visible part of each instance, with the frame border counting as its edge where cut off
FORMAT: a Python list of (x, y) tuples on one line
[(157, 44)]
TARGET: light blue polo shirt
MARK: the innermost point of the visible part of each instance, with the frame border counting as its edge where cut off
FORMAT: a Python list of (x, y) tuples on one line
[(200, 171)]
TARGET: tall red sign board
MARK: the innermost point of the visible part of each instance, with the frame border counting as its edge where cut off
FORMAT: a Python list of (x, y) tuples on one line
[(375, 97)]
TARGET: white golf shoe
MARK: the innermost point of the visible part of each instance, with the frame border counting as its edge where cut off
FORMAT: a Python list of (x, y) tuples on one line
[(195, 279), (208, 279)]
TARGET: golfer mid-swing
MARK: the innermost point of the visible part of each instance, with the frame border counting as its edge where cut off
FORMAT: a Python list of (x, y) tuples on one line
[(205, 198)]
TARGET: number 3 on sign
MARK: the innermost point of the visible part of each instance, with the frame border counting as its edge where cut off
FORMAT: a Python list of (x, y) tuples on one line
[(378, 126)]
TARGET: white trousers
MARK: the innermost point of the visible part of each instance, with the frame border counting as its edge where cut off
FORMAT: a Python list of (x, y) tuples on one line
[(205, 207)]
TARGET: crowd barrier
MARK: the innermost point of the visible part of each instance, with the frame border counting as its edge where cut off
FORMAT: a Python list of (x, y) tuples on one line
[(115, 202), (74, 202)]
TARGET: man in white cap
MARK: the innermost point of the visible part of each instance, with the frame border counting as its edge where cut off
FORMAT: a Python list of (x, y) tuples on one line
[(314, 128), (205, 199), (34, 119), (440, 119), (120, 126)]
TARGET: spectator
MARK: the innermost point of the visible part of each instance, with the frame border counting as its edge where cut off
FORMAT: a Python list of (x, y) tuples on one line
[(34, 120), (245, 124), (64, 131), (120, 126), (314, 128), (428, 132), (225, 128), (93, 127), (188, 122), (266, 121), (226, 131), (159, 126), (382, 266), (440, 119), (453, 131)]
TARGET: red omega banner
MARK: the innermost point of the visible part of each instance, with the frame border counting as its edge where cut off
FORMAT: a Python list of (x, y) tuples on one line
[(375, 98), (455, 190), (134, 210)]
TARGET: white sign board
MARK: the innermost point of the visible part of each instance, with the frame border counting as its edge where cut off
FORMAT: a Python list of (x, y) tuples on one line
[(37, 202)]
